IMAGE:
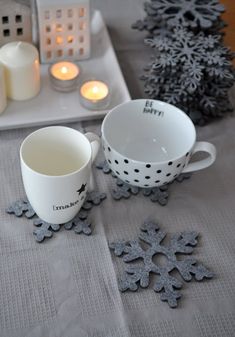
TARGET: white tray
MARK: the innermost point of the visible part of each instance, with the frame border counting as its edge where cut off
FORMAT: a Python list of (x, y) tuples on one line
[(52, 107)]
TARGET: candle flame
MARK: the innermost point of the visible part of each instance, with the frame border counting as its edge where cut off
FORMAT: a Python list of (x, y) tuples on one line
[(64, 70), (95, 89)]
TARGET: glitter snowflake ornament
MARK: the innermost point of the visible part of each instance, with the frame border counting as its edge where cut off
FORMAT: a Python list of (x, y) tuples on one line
[(137, 274), (186, 13), (185, 69)]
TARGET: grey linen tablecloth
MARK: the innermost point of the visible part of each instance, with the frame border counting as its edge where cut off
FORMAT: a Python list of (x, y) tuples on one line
[(67, 286)]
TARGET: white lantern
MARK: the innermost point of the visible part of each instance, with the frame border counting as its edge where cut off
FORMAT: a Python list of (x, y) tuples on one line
[(15, 21), (64, 29)]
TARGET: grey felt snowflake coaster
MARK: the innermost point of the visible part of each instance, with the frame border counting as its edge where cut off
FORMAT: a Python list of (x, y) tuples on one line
[(21, 207), (80, 226), (136, 275), (182, 177), (104, 166), (44, 230), (157, 194), (125, 190), (93, 198), (79, 223)]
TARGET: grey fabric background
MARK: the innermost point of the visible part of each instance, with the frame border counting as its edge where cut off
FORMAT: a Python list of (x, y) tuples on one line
[(67, 286)]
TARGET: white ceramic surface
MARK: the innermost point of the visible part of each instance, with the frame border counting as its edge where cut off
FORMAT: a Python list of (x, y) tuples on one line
[(52, 107), (149, 143), (56, 170)]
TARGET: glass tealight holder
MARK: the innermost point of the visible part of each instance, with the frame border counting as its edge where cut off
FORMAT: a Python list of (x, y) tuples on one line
[(64, 76), (94, 94)]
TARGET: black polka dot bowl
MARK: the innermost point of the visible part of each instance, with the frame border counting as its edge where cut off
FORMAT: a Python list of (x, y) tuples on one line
[(148, 143)]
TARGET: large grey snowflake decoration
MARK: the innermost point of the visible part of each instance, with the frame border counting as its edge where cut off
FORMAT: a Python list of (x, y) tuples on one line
[(80, 224), (138, 274), (191, 68)]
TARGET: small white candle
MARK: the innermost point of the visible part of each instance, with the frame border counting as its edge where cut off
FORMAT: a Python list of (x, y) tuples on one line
[(3, 97), (94, 95), (22, 70)]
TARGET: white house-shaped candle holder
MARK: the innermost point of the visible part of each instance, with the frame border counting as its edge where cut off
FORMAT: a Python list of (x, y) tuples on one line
[(64, 29), (15, 22)]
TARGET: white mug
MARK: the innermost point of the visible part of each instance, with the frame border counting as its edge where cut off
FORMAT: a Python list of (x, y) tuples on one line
[(56, 170), (148, 143)]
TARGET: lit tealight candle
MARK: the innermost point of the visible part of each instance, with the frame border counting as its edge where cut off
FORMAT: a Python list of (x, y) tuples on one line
[(64, 76), (94, 95)]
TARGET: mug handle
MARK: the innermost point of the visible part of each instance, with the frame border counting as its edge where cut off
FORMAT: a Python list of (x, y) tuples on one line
[(95, 144), (201, 164)]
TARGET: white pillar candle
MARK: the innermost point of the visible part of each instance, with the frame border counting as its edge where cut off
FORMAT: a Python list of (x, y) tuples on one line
[(22, 70), (3, 97)]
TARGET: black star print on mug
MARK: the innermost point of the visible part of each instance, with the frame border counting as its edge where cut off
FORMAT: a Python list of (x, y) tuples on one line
[(81, 189)]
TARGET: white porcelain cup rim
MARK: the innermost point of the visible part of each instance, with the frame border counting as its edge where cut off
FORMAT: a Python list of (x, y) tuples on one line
[(48, 128), (142, 100)]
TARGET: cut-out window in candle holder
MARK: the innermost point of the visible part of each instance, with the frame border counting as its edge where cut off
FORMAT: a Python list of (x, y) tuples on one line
[(5, 20), (19, 31), (59, 13), (70, 13), (70, 39), (59, 53), (59, 40), (70, 26), (59, 28), (48, 55), (70, 52), (68, 18), (82, 25), (15, 22), (18, 18), (81, 12), (6, 32)]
